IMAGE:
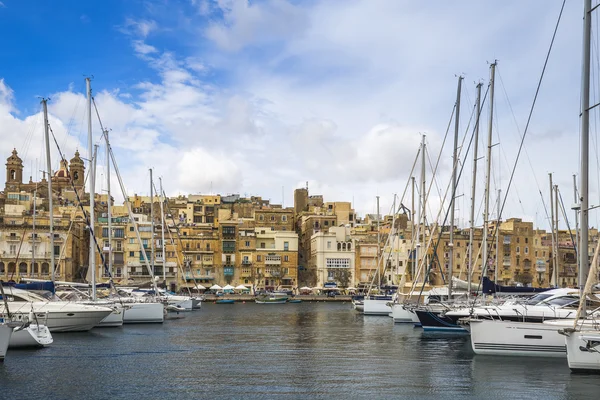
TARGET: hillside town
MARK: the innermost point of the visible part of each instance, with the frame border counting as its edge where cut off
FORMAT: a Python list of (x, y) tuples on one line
[(228, 239)]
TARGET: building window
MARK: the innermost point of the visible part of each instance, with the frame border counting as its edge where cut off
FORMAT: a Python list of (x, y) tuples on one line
[(261, 217), (132, 254), (337, 263), (526, 250), (328, 245), (131, 229), (131, 241), (284, 218), (286, 246), (259, 258), (262, 245), (326, 223), (518, 249), (247, 243), (13, 249), (286, 258)]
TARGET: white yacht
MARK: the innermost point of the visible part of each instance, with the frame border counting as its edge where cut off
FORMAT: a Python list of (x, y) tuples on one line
[(33, 335), (517, 329), (61, 316)]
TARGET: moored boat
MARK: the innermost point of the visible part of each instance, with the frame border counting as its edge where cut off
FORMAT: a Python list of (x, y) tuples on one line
[(271, 298)]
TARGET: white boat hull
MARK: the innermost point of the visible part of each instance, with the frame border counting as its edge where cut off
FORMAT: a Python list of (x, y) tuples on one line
[(144, 313), (114, 319), (402, 315), (583, 351), (510, 338), (5, 335), (32, 336), (61, 316), (182, 305), (376, 307)]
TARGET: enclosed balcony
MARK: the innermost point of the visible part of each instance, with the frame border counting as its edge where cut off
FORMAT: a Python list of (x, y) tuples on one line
[(272, 260)]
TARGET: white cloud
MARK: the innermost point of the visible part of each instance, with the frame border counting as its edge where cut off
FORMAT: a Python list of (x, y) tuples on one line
[(336, 94), (246, 24)]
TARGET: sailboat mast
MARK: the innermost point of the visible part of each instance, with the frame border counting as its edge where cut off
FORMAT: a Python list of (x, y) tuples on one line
[(576, 244), (421, 223), (92, 239), (473, 187), (393, 234), (553, 280), (92, 259), (412, 229), (585, 138), (498, 238), (151, 223), (33, 237), (453, 190), (108, 205), (49, 167), (162, 233), (378, 246), (556, 232), (488, 164)]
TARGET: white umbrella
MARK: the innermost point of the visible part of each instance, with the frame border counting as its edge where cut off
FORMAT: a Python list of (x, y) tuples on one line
[(351, 288), (241, 287), (228, 287), (317, 288), (305, 288), (215, 287), (200, 287)]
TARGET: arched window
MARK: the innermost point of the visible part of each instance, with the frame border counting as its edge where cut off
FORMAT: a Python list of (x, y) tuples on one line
[(13, 174), (45, 268), (2, 270), (343, 246), (349, 246), (22, 268), (12, 268), (75, 175), (339, 246)]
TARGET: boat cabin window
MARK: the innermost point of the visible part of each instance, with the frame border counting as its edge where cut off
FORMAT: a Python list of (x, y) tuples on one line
[(564, 301), (537, 298)]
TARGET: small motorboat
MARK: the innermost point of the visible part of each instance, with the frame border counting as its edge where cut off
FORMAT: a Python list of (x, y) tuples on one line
[(225, 301)]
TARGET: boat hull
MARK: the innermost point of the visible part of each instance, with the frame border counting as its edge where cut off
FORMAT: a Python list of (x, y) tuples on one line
[(5, 335), (33, 336), (376, 307), (271, 301), (582, 351), (144, 313), (437, 321), (402, 315), (510, 338), (61, 316)]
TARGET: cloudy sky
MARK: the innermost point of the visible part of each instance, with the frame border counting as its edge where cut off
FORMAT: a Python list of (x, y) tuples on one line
[(260, 97)]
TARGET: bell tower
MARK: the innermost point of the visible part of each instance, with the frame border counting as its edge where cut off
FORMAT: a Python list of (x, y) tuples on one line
[(14, 172), (77, 171)]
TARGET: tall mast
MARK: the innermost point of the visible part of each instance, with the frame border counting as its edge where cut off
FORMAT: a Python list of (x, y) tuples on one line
[(378, 246), (488, 164), (162, 224), (553, 280), (498, 238), (393, 235), (412, 229), (49, 167), (556, 230), (473, 186), (421, 219), (92, 259), (33, 233), (92, 239), (577, 249), (151, 223), (109, 205), (453, 191), (585, 138)]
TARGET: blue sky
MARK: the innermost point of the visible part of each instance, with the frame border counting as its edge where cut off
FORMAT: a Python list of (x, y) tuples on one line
[(259, 97)]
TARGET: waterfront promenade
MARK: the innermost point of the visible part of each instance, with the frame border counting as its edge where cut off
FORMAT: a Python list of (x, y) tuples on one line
[(303, 297)]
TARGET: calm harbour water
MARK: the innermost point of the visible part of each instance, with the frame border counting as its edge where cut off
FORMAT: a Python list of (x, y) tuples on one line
[(307, 350)]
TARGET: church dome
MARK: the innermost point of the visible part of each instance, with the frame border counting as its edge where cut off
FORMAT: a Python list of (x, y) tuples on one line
[(62, 172)]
